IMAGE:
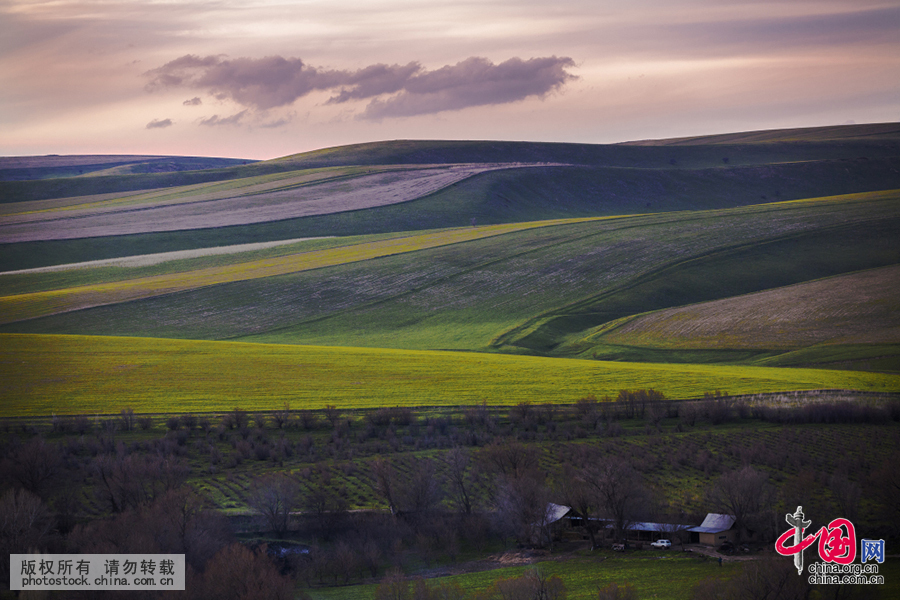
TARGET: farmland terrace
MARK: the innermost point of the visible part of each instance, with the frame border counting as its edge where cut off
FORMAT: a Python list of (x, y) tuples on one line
[(408, 339)]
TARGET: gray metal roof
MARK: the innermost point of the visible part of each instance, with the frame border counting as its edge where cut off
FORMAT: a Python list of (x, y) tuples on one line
[(555, 512), (714, 523), (658, 527)]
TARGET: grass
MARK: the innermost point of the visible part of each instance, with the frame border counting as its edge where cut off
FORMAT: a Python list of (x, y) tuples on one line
[(654, 575), (536, 289), (81, 374), (857, 310), (37, 304), (606, 181), (792, 253)]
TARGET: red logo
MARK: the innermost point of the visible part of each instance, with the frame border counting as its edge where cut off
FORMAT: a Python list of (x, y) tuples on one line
[(837, 540)]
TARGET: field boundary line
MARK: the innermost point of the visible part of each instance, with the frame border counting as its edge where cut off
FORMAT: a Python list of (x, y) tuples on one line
[(22, 307)]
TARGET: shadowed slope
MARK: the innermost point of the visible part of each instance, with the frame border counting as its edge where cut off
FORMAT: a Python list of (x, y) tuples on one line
[(870, 141), (850, 321)]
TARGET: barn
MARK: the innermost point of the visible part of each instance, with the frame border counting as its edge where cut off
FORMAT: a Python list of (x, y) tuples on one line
[(714, 531)]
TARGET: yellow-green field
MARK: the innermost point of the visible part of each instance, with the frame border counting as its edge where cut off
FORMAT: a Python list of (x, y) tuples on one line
[(38, 304), (46, 374)]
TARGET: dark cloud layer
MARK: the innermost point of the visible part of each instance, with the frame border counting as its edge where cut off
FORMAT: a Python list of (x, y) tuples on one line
[(777, 34), (395, 90)]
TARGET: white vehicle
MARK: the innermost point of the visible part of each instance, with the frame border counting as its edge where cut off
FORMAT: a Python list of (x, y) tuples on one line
[(661, 544)]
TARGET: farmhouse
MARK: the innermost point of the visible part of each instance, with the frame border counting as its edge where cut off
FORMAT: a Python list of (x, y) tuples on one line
[(556, 519), (650, 532), (715, 530)]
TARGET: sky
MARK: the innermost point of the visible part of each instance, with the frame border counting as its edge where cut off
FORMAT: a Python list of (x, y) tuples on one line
[(267, 78)]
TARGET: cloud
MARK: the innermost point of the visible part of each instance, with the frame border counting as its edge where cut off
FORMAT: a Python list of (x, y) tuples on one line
[(261, 83), (193, 102), (216, 120), (376, 80), (156, 124), (280, 122), (474, 82), (394, 90)]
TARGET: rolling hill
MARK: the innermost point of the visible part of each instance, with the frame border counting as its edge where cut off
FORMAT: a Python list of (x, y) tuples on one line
[(737, 251)]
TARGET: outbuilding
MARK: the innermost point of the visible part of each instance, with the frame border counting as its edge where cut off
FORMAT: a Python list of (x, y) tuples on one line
[(715, 530)]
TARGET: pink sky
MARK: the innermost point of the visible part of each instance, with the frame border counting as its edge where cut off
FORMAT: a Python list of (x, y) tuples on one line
[(266, 78)]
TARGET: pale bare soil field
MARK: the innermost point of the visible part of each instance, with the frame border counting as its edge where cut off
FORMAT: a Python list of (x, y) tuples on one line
[(858, 308), (148, 260), (257, 203)]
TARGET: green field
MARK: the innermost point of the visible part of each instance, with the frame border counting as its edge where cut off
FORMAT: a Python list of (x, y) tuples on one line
[(653, 575), (667, 264), (541, 288), (86, 375)]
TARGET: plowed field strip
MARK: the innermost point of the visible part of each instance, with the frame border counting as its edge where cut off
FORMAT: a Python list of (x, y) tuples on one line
[(29, 306)]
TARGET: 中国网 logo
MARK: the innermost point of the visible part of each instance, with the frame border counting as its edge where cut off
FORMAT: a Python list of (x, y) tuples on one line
[(837, 551)]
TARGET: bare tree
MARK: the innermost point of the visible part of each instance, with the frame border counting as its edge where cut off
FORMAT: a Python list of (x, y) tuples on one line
[(618, 491), (33, 464), (183, 523), (282, 418), (239, 573), (127, 416), (421, 489), (25, 524), (385, 482), (237, 418), (582, 499), (846, 495), (522, 507), (326, 501), (274, 496), (332, 414), (414, 491), (394, 586), (459, 475), (885, 485), (129, 481), (508, 459), (747, 495)]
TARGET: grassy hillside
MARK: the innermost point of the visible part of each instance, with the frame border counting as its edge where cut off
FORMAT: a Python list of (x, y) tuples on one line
[(534, 288), (24, 168), (32, 305), (102, 375), (791, 253), (871, 142), (496, 247), (506, 196), (846, 320), (271, 200), (835, 133)]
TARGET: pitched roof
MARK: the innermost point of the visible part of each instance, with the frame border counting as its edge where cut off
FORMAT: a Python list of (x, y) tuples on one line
[(555, 512), (714, 523)]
